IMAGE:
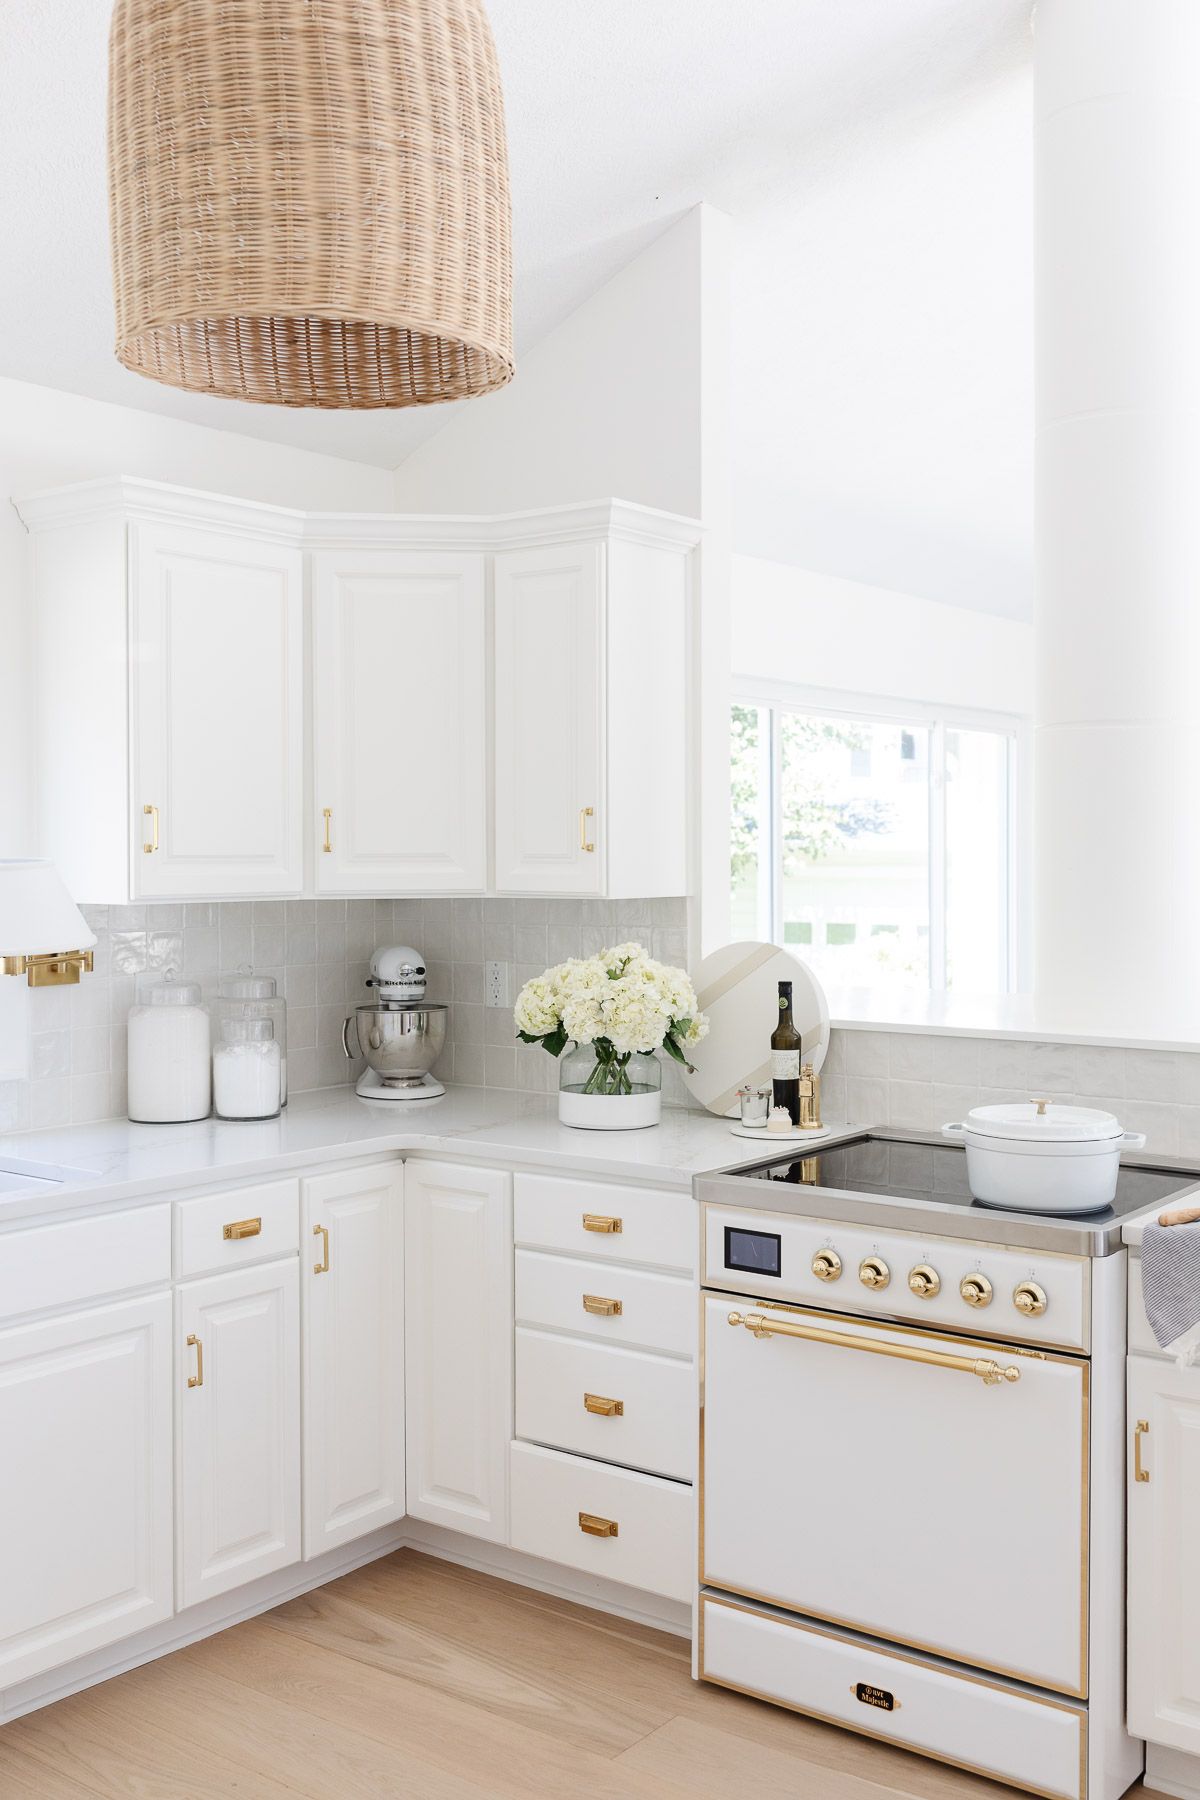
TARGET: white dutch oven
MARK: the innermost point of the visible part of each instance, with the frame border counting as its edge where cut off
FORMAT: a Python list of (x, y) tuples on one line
[(1042, 1156)]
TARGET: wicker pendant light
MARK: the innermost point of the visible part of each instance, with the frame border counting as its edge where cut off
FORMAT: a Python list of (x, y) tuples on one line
[(309, 199)]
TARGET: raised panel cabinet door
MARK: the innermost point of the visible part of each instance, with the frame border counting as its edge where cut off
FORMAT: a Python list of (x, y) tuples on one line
[(217, 650), (550, 808), (399, 693), (352, 1319), (1163, 1422), (459, 1346), (85, 1497), (237, 1380)]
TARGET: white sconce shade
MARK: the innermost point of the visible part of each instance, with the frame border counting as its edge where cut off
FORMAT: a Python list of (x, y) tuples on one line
[(43, 934)]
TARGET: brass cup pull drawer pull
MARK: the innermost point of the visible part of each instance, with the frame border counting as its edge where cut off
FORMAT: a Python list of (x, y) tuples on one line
[(322, 1268), (151, 813), (990, 1373), (601, 1306), (242, 1228), (594, 1526), (600, 1222), (1140, 1430), (196, 1380), (585, 843), (603, 1407)]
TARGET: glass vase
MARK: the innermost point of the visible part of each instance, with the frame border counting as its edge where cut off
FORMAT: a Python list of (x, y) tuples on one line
[(601, 1090)]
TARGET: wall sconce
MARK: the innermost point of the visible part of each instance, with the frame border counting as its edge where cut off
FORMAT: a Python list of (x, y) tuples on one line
[(37, 918)]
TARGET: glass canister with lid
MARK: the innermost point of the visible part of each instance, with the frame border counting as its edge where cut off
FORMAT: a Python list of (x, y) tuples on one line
[(170, 1077), (249, 996), (247, 1070)]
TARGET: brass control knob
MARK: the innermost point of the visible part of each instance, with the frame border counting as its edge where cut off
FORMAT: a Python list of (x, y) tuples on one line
[(827, 1265), (873, 1272), (976, 1290), (1030, 1298), (924, 1281)]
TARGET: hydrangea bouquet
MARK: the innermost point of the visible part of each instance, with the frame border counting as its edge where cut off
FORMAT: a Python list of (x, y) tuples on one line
[(621, 1002)]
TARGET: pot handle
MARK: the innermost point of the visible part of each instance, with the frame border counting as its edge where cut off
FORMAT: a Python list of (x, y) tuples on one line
[(346, 1024), (1133, 1140), (954, 1131)]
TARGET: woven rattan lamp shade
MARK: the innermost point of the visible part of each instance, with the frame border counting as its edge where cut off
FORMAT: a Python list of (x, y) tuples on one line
[(309, 199)]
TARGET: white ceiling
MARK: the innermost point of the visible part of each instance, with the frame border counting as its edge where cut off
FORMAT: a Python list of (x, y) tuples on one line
[(874, 154)]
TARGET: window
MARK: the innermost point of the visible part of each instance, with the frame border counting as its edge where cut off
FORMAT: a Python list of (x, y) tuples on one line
[(880, 848)]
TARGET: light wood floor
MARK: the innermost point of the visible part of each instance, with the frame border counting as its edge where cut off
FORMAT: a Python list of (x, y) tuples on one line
[(415, 1680)]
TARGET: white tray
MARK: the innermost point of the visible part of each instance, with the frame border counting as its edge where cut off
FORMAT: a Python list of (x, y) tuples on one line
[(763, 1136)]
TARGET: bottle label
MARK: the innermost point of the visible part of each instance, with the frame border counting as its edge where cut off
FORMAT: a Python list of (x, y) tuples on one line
[(785, 1065)]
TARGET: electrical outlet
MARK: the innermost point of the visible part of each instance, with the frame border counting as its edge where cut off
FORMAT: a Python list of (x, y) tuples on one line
[(495, 984)]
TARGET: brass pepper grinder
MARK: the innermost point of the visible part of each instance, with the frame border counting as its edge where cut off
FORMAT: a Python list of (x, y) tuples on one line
[(810, 1099)]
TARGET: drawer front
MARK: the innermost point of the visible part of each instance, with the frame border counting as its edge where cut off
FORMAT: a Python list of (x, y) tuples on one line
[(246, 1225), (569, 1393), (991, 1729), (86, 1259), (615, 1304), (619, 1224), (653, 1547)]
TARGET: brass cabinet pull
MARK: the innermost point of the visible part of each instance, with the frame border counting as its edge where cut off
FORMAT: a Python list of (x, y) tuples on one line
[(601, 1306), (603, 1407), (151, 813), (988, 1372), (586, 813), (196, 1380), (242, 1228), (327, 815), (599, 1222), (1140, 1430), (322, 1268), (596, 1526)]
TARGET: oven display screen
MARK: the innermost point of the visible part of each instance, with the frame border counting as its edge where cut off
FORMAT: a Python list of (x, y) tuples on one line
[(754, 1252)]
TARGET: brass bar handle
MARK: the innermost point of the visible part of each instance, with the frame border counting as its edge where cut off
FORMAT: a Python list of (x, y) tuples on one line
[(600, 1222), (988, 1372), (595, 1526), (327, 815), (322, 1268), (1140, 1430), (601, 1306), (151, 813), (586, 813), (196, 1380), (603, 1407), (242, 1228)]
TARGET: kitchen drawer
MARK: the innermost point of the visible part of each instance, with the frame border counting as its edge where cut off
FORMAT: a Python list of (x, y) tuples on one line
[(245, 1225), (656, 1312), (984, 1726), (85, 1259), (656, 1428), (620, 1224), (653, 1547)]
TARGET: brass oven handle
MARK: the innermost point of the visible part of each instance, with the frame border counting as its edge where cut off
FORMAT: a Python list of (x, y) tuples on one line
[(988, 1372), (242, 1228), (603, 1407), (151, 813), (601, 1306), (327, 815), (322, 1268), (196, 1380), (1140, 1430), (586, 813), (595, 1526)]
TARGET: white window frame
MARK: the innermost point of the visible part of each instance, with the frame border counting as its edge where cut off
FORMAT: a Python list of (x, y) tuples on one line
[(874, 709)]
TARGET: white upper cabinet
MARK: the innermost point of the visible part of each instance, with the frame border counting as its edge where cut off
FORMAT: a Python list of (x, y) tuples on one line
[(217, 657), (399, 697)]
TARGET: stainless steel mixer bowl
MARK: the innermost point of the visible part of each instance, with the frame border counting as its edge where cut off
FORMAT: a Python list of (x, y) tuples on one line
[(401, 1043)]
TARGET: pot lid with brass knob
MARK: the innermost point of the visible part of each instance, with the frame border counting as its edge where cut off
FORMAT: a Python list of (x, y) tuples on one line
[(1041, 1120)]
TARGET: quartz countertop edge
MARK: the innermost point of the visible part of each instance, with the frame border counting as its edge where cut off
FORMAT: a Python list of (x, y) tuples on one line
[(114, 1159)]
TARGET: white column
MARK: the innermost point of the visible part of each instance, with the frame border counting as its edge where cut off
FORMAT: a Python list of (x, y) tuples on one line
[(1117, 744)]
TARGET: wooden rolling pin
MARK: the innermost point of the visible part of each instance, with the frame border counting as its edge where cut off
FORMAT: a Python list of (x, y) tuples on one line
[(1187, 1215)]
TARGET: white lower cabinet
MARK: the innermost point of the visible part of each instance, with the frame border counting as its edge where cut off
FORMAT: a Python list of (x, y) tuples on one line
[(1164, 1553), (85, 1493), (459, 1339), (238, 1428), (352, 1305)]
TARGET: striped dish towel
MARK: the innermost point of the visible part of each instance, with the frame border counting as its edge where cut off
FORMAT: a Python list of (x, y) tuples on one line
[(1171, 1279)]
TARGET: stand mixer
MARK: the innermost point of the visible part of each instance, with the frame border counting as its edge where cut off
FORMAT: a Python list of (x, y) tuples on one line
[(400, 1034)]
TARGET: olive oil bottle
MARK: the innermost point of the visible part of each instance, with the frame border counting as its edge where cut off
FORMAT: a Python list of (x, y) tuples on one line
[(785, 1057)]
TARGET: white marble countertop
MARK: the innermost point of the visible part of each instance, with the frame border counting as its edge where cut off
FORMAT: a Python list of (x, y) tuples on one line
[(117, 1160)]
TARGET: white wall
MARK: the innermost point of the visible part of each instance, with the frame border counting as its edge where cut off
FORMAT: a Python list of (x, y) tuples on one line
[(607, 404), (49, 438), (790, 625)]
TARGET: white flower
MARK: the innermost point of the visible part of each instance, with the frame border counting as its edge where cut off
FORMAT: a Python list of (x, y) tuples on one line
[(620, 997), (536, 1011)]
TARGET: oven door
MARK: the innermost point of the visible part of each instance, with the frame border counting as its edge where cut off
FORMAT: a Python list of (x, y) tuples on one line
[(900, 1482)]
